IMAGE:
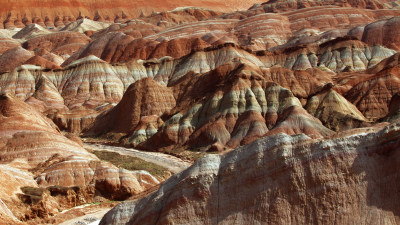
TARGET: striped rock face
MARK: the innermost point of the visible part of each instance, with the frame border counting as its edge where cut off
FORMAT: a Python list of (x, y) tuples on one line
[(381, 32), (72, 78), (18, 13), (274, 6), (373, 92), (212, 79), (76, 94), (394, 109), (178, 32), (145, 97), (229, 106), (239, 102), (261, 31), (33, 153), (278, 180), (60, 43)]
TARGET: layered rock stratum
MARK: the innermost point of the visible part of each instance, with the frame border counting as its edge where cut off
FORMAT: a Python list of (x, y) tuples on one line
[(281, 179), (34, 154), (82, 70), (19, 13), (191, 77)]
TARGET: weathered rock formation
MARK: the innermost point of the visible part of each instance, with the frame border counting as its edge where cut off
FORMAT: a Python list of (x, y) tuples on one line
[(31, 31), (373, 91), (229, 106), (281, 179), (90, 83), (60, 43), (334, 111), (33, 153), (394, 109), (17, 13), (145, 97), (294, 71), (13, 58), (282, 5)]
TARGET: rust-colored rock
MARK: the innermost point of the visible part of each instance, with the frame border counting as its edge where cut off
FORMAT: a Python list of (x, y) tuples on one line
[(39, 61), (372, 92), (61, 43), (145, 97), (121, 9), (13, 58), (230, 106), (281, 179), (385, 32), (33, 149), (300, 73), (394, 109)]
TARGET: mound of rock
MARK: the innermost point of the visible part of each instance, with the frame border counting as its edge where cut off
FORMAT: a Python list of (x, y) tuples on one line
[(33, 153), (278, 180)]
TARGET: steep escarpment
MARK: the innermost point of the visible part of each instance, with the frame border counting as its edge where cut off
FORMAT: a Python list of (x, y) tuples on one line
[(18, 13), (281, 179), (394, 109)]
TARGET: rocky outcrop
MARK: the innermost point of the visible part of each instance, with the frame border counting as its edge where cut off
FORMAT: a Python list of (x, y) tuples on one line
[(13, 58), (118, 47), (84, 25), (299, 75), (42, 62), (83, 90), (52, 13), (334, 111), (90, 83), (229, 106), (394, 109), (282, 5), (281, 179), (145, 97), (30, 31), (60, 43), (372, 92), (336, 55), (383, 32), (33, 153), (259, 31)]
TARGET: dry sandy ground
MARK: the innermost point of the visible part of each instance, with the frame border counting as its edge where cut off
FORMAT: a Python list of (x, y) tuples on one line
[(84, 215), (170, 162)]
